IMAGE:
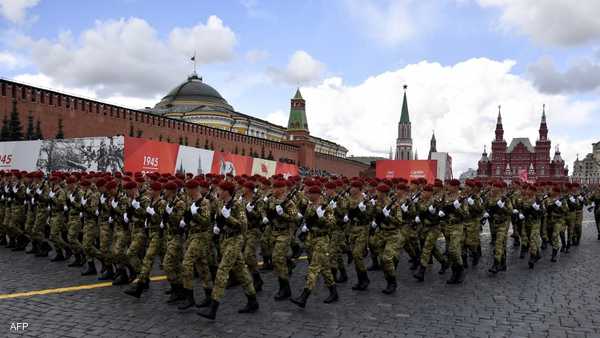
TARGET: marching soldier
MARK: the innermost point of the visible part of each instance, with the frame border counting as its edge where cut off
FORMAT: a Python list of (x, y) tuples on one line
[(122, 235), (499, 210), (556, 210), (174, 223), (74, 221), (531, 212), (255, 214), (90, 200), (359, 213), (319, 217)]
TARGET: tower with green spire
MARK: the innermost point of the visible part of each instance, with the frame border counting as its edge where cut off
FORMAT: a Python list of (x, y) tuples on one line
[(404, 140), (297, 120)]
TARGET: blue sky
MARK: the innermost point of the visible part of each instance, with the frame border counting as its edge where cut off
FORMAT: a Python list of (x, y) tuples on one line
[(256, 52)]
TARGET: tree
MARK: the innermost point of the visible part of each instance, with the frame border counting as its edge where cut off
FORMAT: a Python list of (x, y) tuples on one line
[(29, 135), (60, 134), (4, 133), (14, 124), (38, 131)]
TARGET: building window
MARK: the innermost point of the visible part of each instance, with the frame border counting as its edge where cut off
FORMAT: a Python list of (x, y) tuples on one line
[(33, 95), (59, 100), (23, 94), (68, 102), (50, 99), (42, 97)]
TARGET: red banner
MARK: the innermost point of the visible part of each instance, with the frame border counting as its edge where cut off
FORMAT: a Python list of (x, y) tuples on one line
[(286, 169), (406, 169), (226, 163), (149, 156)]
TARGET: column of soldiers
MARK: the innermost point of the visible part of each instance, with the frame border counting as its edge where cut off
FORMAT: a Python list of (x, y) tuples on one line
[(213, 227)]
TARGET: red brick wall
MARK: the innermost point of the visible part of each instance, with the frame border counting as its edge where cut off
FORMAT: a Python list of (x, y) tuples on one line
[(86, 118), (339, 166)]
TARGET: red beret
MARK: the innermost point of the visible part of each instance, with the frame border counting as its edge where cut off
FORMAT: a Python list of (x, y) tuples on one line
[(279, 184), (130, 185), (54, 178), (118, 175), (180, 176), (556, 188), (227, 186), (428, 187), (204, 184), (128, 173), (330, 185), (454, 183), (383, 188), (85, 183), (163, 180), (100, 183), (373, 183), (356, 184), (138, 174), (171, 186), (499, 184), (71, 180), (314, 189), (156, 186), (140, 179), (249, 185), (402, 186), (192, 184), (111, 185)]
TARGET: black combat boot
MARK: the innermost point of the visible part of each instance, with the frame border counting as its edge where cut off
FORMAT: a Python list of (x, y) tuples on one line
[(349, 257), (136, 289), (554, 254), (257, 281), (176, 294), (460, 274), (343, 278), (333, 295), (598, 237), (68, 253), (563, 243), (121, 277), (291, 264), (213, 271), (59, 256), (251, 305), (502, 266), (495, 267), (22, 242), (334, 273), (45, 249), (284, 290), (35, 248), (476, 256), (420, 274), (568, 246), (108, 273), (374, 264), (11, 242), (453, 277), (3, 241), (532, 261), (267, 264), (544, 245), (212, 312), (189, 301), (207, 298), (77, 262), (391, 285), (91, 269), (443, 268), (363, 281), (465, 259), (416, 262), (301, 300), (523, 252)]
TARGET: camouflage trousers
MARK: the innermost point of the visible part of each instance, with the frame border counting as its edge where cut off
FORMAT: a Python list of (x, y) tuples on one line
[(267, 242), (121, 240), (375, 240), (232, 261), (500, 245), (3, 231), (411, 240), (570, 220), (359, 237), (16, 222), (320, 263), (454, 241), (57, 228), (530, 236), (391, 241), (337, 243), (578, 225), (282, 241), (73, 232), (173, 258), (38, 231), (136, 249), (105, 233), (155, 243), (198, 256), (251, 241), (90, 235), (472, 241), (429, 248), (557, 227), (29, 221)]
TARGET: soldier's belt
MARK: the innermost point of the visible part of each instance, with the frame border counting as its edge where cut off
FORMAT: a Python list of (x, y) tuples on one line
[(231, 234)]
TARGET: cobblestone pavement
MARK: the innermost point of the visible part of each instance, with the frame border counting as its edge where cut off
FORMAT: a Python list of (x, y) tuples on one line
[(555, 300)]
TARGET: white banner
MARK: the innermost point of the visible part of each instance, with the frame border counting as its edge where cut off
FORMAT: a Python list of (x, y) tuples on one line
[(263, 167), (82, 154), (20, 155), (194, 160)]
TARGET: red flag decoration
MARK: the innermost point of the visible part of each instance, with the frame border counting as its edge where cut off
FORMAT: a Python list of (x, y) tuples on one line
[(150, 156), (407, 169), (226, 163), (286, 169)]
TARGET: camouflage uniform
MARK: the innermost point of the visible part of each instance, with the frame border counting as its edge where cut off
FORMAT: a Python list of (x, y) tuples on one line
[(530, 232), (90, 223), (320, 262), (137, 221), (155, 226), (431, 231), (455, 212), (472, 240), (359, 213), (573, 205), (232, 229), (122, 235), (500, 217), (58, 218), (105, 229), (174, 211), (74, 221), (556, 220), (17, 210), (337, 237), (199, 243), (391, 240), (39, 232)]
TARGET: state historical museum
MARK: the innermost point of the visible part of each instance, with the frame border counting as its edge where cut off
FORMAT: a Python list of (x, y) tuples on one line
[(522, 160)]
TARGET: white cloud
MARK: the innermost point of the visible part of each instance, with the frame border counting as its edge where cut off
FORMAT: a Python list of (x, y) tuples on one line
[(582, 76), (554, 22), (212, 42), (126, 57), (256, 55), (10, 61), (16, 10), (391, 22), (458, 101), (301, 69), (278, 117)]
